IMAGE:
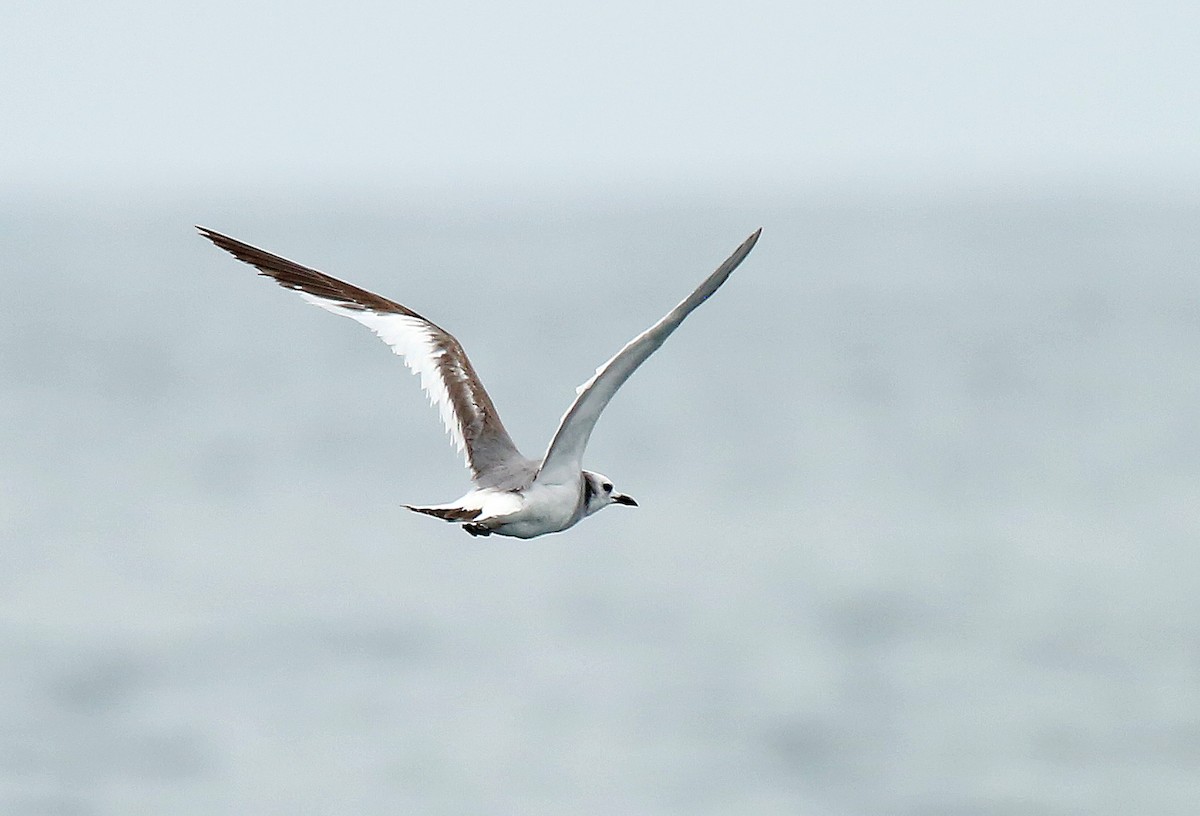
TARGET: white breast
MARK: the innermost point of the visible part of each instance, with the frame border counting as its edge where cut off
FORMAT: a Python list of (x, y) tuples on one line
[(545, 509)]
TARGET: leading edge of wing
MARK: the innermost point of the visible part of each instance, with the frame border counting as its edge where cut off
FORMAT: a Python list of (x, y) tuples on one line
[(564, 456), (447, 375)]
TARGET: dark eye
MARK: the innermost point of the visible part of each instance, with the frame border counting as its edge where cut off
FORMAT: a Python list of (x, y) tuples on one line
[(607, 487)]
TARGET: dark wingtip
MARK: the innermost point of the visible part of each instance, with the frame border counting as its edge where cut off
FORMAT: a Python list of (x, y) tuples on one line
[(224, 242)]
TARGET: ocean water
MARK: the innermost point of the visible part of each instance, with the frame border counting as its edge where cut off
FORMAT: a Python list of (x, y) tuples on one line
[(919, 528)]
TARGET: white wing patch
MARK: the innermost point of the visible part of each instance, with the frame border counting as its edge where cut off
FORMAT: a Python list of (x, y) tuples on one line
[(414, 340)]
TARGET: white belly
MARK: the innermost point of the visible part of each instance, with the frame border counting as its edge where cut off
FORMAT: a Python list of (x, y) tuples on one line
[(544, 509)]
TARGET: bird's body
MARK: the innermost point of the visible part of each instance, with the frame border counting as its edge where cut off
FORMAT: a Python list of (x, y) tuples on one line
[(523, 512), (513, 496)]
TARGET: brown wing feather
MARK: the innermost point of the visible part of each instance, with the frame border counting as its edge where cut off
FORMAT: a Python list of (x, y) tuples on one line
[(292, 275), (491, 454)]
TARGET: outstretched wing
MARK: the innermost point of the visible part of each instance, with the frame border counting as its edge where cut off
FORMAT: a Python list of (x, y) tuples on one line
[(446, 374), (564, 457)]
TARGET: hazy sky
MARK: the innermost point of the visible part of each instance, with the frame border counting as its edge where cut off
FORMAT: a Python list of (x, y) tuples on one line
[(590, 93)]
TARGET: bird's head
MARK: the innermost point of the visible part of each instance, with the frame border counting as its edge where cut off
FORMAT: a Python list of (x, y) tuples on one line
[(598, 493)]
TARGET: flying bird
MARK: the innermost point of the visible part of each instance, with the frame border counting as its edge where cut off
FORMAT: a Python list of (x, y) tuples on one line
[(513, 495)]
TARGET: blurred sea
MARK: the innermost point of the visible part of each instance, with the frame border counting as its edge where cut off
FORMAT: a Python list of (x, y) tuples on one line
[(919, 528)]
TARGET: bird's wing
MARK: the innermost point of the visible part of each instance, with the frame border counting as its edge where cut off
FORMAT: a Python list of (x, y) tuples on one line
[(564, 457), (446, 374)]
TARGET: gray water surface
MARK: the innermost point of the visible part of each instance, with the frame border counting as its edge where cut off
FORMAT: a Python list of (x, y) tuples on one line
[(919, 523)]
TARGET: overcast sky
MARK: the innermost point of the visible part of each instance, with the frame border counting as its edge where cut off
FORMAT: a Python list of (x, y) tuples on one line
[(454, 93)]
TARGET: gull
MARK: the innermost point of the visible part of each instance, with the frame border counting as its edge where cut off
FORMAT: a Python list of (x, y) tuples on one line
[(513, 495)]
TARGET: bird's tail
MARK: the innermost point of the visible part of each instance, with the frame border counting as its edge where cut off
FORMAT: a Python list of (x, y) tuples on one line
[(447, 512)]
